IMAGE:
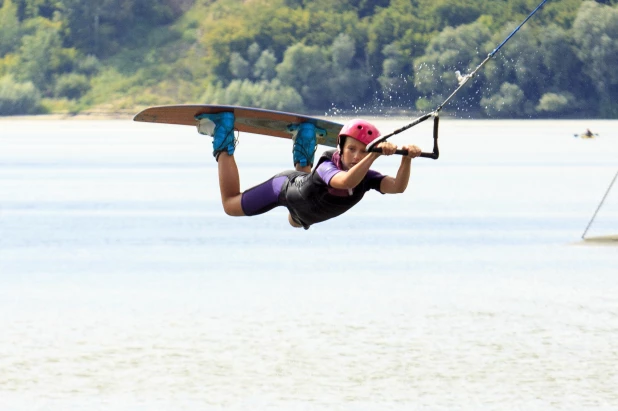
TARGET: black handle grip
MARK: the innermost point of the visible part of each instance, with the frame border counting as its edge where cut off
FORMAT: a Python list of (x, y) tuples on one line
[(401, 152), (379, 150)]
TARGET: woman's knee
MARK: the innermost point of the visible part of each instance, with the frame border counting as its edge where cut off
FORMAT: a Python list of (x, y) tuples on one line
[(292, 222)]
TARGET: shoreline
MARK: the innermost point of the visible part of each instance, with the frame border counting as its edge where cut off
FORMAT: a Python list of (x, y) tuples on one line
[(66, 117)]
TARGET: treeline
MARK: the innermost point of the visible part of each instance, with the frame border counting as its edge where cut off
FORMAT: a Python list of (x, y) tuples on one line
[(310, 56)]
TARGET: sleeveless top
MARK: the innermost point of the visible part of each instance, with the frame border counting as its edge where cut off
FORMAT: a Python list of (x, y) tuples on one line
[(310, 199)]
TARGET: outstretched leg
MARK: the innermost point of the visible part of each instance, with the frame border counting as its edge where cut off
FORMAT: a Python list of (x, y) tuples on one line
[(229, 185), (221, 127)]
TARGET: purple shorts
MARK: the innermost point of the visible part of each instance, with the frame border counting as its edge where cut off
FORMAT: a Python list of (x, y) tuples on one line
[(264, 197)]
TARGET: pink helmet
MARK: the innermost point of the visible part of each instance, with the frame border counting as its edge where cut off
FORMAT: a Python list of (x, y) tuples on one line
[(360, 130)]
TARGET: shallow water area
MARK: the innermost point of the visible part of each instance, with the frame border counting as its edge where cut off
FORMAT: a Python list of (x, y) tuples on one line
[(123, 285)]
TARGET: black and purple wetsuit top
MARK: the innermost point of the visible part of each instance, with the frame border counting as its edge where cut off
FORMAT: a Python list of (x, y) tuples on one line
[(308, 196)]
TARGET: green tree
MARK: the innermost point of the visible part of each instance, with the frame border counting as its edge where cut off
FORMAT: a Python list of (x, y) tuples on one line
[(368, 7), (508, 102), (347, 84), (454, 49), (523, 63), (306, 69), (541, 62), (454, 12), (562, 77), (273, 95), (9, 27), (265, 67), (99, 26), (71, 86), (556, 103), (18, 98), (558, 13), (595, 32), (559, 59), (397, 78), (84, 24), (362, 7), (343, 51), (253, 53), (239, 67), (265, 94), (347, 88), (28, 9), (41, 56), (387, 26), (88, 65)]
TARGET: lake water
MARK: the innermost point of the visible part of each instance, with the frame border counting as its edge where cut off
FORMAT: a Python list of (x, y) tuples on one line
[(124, 286)]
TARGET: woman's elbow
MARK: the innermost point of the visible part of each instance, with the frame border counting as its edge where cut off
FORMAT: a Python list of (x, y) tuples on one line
[(400, 189)]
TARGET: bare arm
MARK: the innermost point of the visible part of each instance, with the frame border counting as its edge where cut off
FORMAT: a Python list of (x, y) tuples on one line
[(399, 183), (351, 178)]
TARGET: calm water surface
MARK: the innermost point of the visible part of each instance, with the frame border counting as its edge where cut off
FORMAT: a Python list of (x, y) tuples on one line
[(124, 286)]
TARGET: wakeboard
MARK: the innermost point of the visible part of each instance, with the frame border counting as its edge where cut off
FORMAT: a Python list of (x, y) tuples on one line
[(249, 120)]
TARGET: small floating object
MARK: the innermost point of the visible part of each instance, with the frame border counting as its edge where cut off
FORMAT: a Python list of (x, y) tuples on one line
[(587, 134)]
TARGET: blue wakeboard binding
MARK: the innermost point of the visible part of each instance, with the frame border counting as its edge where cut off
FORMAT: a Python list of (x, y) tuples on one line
[(305, 143), (220, 126)]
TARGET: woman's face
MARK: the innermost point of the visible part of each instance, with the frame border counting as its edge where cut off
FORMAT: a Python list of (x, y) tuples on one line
[(353, 152)]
